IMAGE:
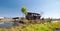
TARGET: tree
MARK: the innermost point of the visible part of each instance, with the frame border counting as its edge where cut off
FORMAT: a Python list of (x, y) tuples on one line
[(24, 10)]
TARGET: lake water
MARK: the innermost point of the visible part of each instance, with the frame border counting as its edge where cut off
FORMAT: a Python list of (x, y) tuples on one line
[(57, 30), (8, 24)]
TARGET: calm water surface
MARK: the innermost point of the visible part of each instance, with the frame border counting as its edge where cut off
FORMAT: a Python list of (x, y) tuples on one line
[(8, 24)]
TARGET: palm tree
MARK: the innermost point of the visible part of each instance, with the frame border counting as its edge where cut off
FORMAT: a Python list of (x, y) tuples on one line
[(24, 10)]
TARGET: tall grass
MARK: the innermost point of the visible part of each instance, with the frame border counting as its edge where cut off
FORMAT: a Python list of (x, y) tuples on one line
[(34, 27)]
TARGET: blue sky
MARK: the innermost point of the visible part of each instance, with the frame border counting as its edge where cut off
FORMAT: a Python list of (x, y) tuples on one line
[(12, 8)]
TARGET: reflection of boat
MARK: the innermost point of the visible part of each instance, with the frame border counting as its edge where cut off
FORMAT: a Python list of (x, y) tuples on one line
[(1, 22)]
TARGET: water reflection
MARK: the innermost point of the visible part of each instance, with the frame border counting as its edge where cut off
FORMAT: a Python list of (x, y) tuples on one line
[(9, 24), (6, 24)]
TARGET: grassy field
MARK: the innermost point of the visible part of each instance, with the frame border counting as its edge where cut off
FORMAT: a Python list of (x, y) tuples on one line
[(34, 27)]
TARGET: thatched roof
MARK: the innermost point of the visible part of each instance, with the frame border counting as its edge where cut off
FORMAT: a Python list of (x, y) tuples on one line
[(33, 13)]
